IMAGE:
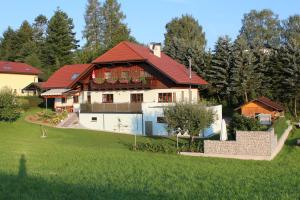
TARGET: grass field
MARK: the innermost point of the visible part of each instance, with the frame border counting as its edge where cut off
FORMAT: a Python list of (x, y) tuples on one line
[(81, 164)]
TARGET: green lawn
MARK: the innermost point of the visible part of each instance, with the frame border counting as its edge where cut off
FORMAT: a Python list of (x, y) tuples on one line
[(79, 164), (279, 126)]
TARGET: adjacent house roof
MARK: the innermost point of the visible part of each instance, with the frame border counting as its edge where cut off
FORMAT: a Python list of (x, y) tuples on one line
[(267, 102), (55, 92), (66, 76), (128, 51), (17, 68)]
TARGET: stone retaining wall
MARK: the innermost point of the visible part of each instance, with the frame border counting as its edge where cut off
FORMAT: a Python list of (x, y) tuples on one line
[(249, 143)]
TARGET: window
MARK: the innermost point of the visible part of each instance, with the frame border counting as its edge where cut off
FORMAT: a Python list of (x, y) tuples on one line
[(75, 99), (161, 120), (164, 97), (89, 99), (125, 74), (136, 98), (94, 119), (74, 76), (107, 98), (63, 100), (107, 75)]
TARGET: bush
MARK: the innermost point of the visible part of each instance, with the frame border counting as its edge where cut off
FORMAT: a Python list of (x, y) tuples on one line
[(24, 103), (152, 147), (52, 117), (10, 108), (241, 123), (191, 117)]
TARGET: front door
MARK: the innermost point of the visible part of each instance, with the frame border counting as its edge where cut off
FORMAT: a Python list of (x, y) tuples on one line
[(148, 128)]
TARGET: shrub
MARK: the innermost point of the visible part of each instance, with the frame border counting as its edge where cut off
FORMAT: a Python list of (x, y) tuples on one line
[(191, 117), (242, 123), (9, 106), (153, 147), (24, 103)]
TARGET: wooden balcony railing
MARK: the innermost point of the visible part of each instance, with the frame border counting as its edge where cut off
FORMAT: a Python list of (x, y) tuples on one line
[(111, 108), (120, 85)]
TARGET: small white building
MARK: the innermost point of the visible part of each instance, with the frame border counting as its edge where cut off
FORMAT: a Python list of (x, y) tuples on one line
[(126, 89)]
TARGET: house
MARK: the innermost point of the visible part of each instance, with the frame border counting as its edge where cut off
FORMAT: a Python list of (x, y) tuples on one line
[(62, 89), (261, 106), (126, 89), (18, 76)]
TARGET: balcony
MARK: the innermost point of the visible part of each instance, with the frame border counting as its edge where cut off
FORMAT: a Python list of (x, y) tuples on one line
[(111, 108), (120, 84)]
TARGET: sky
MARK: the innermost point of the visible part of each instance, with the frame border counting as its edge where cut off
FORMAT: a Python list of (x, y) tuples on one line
[(147, 18)]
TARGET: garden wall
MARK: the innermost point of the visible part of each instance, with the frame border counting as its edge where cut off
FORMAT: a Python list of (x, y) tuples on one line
[(247, 143)]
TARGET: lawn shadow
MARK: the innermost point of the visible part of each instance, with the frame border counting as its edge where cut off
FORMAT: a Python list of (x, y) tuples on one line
[(22, 167), (24, 186)]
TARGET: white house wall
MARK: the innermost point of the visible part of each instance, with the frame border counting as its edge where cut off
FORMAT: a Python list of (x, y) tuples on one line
[(149, 96), (113, 122)]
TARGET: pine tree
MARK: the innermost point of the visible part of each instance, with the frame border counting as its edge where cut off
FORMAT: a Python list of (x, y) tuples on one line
[(290, 69), (39, 29), (263, 70), (219, 74), (8, 45), (93, 30), (185, 39), (243, 79), (25, 43), (114, 30), (60, 41)]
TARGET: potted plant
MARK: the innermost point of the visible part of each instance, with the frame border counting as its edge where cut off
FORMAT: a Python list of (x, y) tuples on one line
[(112, 81), (99, 80), (124, 80), (143, 80)]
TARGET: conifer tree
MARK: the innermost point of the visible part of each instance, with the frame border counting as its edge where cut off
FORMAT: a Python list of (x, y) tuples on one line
[(93, 30), (114, 29), (290, 59), (25, 43), (8, 45), (60, 41), (243, 77), (184, 38), (220, 72)]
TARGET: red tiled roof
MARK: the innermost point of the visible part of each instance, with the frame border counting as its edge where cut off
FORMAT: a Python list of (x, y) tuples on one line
[(128, 51), (17, 68), (65, 76)]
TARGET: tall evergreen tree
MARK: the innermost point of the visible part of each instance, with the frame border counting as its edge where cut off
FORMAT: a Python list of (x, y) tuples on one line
[(185, 38), (93, 30), (25, 43), (243, 81), (60, 41), (40, 28), (220, 72), (114, 29), (290, 60), (8, 45)]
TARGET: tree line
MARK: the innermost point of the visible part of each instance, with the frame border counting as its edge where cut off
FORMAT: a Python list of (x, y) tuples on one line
[(264, 59), (51, 43)]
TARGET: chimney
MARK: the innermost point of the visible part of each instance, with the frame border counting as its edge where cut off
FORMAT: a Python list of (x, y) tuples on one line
[(155, 48)]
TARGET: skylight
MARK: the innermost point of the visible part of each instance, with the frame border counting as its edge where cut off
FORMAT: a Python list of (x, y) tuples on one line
[(7, 67), (74, 76)]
